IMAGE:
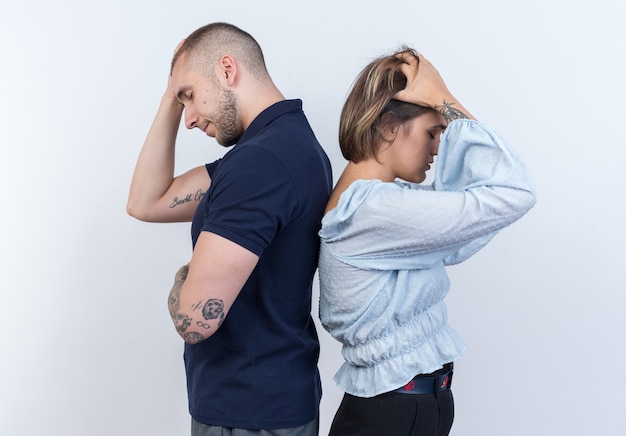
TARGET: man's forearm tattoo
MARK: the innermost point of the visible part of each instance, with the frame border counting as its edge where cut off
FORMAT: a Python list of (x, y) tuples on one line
[(448, 112), (212, 309), (181, 320), (173, 301)]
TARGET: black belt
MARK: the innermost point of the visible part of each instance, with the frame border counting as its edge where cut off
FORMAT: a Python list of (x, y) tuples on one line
[(433, 383)]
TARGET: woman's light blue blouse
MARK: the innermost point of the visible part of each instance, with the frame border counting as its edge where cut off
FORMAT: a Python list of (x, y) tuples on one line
[(385, 247)]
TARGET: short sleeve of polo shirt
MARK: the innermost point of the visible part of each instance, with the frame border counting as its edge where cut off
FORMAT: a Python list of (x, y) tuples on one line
[(251, 198)]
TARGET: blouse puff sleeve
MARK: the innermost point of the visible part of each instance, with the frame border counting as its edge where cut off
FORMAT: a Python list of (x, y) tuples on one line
[(481, 186)]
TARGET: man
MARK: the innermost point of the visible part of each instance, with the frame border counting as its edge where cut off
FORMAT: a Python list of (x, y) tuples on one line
[(243, 302)]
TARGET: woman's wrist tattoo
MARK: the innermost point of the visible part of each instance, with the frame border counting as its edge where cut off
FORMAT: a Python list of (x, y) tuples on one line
[(448, 112)]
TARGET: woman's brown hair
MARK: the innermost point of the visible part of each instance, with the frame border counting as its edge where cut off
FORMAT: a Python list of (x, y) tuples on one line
[(361, 123)]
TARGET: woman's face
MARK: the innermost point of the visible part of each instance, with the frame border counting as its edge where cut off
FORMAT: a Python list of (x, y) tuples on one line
[(415, 146)]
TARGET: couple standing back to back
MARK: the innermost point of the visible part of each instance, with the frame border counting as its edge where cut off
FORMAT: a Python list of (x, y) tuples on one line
[(243, 302)]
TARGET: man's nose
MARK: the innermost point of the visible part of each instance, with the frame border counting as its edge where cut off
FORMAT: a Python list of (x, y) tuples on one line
[(191, 118)]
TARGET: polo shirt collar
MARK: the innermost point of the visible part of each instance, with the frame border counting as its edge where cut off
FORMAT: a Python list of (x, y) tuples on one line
[(269, 115)]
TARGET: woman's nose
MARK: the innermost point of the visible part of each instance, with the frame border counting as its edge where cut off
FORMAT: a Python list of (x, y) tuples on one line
[(436, 146)]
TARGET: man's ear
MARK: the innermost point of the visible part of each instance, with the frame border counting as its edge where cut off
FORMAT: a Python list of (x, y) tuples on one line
[(227, 69)]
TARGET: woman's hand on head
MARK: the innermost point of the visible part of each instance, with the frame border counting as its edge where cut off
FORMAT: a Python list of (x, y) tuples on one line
[(425, 85)]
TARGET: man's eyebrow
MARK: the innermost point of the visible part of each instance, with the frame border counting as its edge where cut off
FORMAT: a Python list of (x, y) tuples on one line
[(180, 95)]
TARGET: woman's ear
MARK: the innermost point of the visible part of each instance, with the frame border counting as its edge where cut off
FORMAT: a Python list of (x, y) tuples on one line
[(388, 127)]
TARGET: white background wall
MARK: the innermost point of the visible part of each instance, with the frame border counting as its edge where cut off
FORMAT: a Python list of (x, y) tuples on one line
[(86, 341)]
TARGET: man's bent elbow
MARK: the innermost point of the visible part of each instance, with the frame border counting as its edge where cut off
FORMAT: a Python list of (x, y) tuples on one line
[(194, 337), (138, 213)]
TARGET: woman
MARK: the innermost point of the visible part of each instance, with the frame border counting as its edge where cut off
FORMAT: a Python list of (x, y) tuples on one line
[(386, 241)]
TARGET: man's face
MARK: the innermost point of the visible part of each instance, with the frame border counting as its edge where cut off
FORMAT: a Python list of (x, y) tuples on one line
[(209, 105)]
